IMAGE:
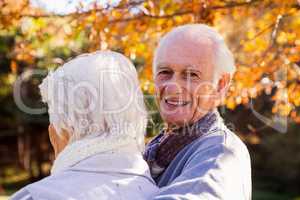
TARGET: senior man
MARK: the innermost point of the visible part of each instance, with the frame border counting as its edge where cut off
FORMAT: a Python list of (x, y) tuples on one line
[(196, 156)]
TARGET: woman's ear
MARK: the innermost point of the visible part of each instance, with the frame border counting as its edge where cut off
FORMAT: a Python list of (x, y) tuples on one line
[(58, 141)]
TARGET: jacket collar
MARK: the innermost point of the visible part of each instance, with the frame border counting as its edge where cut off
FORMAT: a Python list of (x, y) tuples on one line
[(125, 160)]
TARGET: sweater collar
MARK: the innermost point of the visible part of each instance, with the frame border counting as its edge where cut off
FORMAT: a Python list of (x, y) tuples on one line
[(80, 150), (125, 161)]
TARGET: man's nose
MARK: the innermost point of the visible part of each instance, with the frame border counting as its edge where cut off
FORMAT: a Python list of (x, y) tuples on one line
[(174, 86)]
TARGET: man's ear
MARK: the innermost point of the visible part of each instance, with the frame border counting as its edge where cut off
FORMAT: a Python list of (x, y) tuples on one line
[(222, 88), (224, 83)]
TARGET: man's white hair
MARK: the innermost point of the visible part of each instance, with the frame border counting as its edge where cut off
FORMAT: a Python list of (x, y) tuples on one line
[(95, 95), (223, 58)]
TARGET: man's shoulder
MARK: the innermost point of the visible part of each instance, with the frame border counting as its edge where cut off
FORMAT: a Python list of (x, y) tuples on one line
[(220, 141), (222, 151), (222, 159)]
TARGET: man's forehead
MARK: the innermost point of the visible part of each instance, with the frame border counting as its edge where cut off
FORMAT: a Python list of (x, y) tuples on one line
[(188, 38), (201, 48), (186, 54), (185, 51)]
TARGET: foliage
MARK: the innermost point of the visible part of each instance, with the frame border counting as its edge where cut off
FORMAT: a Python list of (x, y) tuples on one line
[(263, 35)]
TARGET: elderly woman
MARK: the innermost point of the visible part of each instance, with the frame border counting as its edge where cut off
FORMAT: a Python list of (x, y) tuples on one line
[(196, 156), (97, 125)]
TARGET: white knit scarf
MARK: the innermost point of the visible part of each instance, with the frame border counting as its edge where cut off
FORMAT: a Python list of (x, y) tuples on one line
[(82, 149)]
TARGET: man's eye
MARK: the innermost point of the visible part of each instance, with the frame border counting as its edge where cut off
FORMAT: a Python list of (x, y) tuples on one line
[(191, 75), (164, 72)]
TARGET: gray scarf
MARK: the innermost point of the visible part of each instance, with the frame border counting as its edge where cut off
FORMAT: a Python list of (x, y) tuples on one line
[(163, 149)]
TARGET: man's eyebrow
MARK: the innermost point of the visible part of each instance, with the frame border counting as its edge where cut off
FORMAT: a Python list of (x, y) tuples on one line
[(162, 66), (192, 68)]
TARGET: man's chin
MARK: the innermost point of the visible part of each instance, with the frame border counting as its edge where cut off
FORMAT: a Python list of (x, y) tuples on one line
[(176, 120)]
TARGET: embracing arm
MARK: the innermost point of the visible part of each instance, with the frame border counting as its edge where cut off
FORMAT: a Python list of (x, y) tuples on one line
[(213, 174)]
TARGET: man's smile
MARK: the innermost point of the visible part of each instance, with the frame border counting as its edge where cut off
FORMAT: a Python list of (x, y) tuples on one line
[(174, 101)]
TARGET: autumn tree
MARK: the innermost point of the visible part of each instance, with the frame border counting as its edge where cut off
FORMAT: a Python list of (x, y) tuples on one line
[(264, 36)]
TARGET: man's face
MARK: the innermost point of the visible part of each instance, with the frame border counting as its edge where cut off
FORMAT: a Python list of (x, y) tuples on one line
[(183, 80)]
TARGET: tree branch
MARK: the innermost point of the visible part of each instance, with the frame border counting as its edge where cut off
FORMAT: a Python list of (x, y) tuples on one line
[(143, 15), (233, 4), (275, 30), (102, 9), (132, 4)]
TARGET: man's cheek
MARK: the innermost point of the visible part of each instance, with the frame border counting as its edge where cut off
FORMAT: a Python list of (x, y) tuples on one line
[(205, 103), (159, 89)]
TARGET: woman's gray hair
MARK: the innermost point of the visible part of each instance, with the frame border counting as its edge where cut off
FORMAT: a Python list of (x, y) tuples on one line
[(224, 60), (96, 94)]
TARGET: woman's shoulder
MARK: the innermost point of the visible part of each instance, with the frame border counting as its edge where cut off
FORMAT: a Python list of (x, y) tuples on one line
[(79, 185), (33, 190), (43, 189), (22, 194)]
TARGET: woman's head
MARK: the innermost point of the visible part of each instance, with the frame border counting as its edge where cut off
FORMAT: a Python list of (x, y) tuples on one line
[(95, 95)]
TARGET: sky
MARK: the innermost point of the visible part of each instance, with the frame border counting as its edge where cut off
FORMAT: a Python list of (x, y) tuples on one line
[(65, 6)]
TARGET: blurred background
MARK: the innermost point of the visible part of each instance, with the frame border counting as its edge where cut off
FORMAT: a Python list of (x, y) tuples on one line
[(262, 105)]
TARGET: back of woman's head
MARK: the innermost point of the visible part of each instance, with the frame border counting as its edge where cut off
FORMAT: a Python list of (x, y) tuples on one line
[(96, 95)]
